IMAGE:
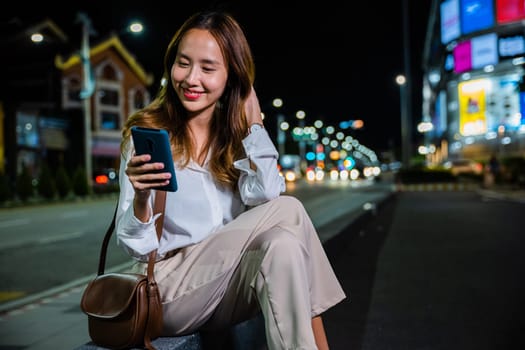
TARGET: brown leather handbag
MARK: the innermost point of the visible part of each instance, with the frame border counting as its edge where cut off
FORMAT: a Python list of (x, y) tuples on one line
[(124, 309)]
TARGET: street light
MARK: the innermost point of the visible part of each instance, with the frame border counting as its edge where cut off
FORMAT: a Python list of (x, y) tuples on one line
[(300, 115), (88, 87), (136, 27), (406, 89), (281, 135), (405, 139)]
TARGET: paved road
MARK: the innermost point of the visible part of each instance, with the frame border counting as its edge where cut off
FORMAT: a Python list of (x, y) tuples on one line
[(434, 270)]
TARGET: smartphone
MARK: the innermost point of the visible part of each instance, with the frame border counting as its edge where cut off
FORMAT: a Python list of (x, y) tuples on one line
[(156, 142)]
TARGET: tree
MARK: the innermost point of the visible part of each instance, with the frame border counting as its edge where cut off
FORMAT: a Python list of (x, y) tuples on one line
[(46, 184), (63, 182), (5, 189), (80, 183), (24, 184)]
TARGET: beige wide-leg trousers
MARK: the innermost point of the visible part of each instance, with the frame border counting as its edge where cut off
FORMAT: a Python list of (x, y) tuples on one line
[(268, 259)]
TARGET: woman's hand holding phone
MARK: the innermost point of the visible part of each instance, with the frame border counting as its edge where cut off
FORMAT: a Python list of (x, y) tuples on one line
[(145, 175), (151, 167)]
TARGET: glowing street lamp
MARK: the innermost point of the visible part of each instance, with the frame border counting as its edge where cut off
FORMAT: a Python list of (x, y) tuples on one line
[(281, 126), (300, 115), (136, 27), (88, 87), (405, 137)]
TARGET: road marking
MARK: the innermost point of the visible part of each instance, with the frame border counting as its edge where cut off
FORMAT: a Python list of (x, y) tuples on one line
[(16, 222), (31, 302), (437, 187), (62, 237), (75, 214)]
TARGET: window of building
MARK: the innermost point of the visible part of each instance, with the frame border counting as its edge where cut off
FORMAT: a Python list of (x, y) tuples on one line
[(137, 98), (109, 97), (108, 104), (71, 88), (109, 121)]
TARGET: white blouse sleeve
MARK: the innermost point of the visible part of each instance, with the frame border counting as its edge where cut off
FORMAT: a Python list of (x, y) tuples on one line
[(136, 237), (264, 183)]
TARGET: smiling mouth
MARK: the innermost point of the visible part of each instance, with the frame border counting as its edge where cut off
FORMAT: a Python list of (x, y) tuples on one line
[(192, 95)]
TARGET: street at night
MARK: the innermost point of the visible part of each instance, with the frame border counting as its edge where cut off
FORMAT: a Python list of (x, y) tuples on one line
[(422, 270), (399, 125)]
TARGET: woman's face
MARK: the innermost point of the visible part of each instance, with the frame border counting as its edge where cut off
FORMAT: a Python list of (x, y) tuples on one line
[(199, 73)]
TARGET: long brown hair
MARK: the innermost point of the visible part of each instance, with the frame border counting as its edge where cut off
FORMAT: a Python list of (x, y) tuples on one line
[(228, 126)]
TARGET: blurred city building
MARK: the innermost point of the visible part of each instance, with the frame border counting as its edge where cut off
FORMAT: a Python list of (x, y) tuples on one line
[(42, 114), (473, 86)]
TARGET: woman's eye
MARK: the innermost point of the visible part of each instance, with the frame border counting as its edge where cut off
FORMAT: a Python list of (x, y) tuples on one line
[(182, 62)]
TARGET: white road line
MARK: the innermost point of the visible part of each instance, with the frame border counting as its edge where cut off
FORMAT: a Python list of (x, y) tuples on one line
[(62, 237), (16, 222), (75, 214)]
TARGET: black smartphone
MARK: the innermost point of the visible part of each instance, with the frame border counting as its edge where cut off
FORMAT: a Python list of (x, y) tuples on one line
[(156, 142)]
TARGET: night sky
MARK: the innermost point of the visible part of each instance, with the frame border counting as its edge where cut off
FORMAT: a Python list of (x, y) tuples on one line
[(335, 60)]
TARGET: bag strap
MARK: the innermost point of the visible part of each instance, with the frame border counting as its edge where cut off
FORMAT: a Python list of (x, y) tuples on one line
[(158, 207), (160, 204), (105, 242)]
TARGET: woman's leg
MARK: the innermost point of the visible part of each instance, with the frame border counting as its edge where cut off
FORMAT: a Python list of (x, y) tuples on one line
[(319, 334), (227, 272), (273, 277)]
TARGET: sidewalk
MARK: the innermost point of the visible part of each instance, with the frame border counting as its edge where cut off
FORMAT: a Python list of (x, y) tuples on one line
[(503, 193)]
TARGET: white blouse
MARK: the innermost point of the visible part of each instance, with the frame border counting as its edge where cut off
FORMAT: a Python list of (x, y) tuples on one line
[(200, 206)]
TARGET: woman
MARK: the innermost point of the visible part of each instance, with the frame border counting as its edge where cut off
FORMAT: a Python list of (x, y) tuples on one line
[(232, 246)]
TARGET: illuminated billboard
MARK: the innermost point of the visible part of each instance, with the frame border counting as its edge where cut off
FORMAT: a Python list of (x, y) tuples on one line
[(484, 50), (462, 57), (487, 104), (472, 106), (509, 11), (450, 29), (476, 15), (439, 119), (503, 103), (511, 46)]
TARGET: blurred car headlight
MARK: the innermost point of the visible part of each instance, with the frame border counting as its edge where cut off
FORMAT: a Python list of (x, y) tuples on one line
[(319, 175), (290, 176), (310, 175)]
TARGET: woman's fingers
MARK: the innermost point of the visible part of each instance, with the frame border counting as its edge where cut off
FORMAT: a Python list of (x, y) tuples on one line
[(144, 175), (253, 109)]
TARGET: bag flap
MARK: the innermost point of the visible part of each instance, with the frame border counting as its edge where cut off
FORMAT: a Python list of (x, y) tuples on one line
[(110, 294)]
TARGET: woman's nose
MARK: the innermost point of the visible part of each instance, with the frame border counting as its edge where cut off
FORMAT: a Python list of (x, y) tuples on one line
[(192, 77)]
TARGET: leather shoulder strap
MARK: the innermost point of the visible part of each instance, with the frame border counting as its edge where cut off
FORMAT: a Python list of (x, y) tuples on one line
[(158, 207), (105, 242)]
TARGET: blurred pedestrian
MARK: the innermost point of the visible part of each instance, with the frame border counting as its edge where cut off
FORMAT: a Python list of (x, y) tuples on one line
[(233, 245), (492, 172)]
